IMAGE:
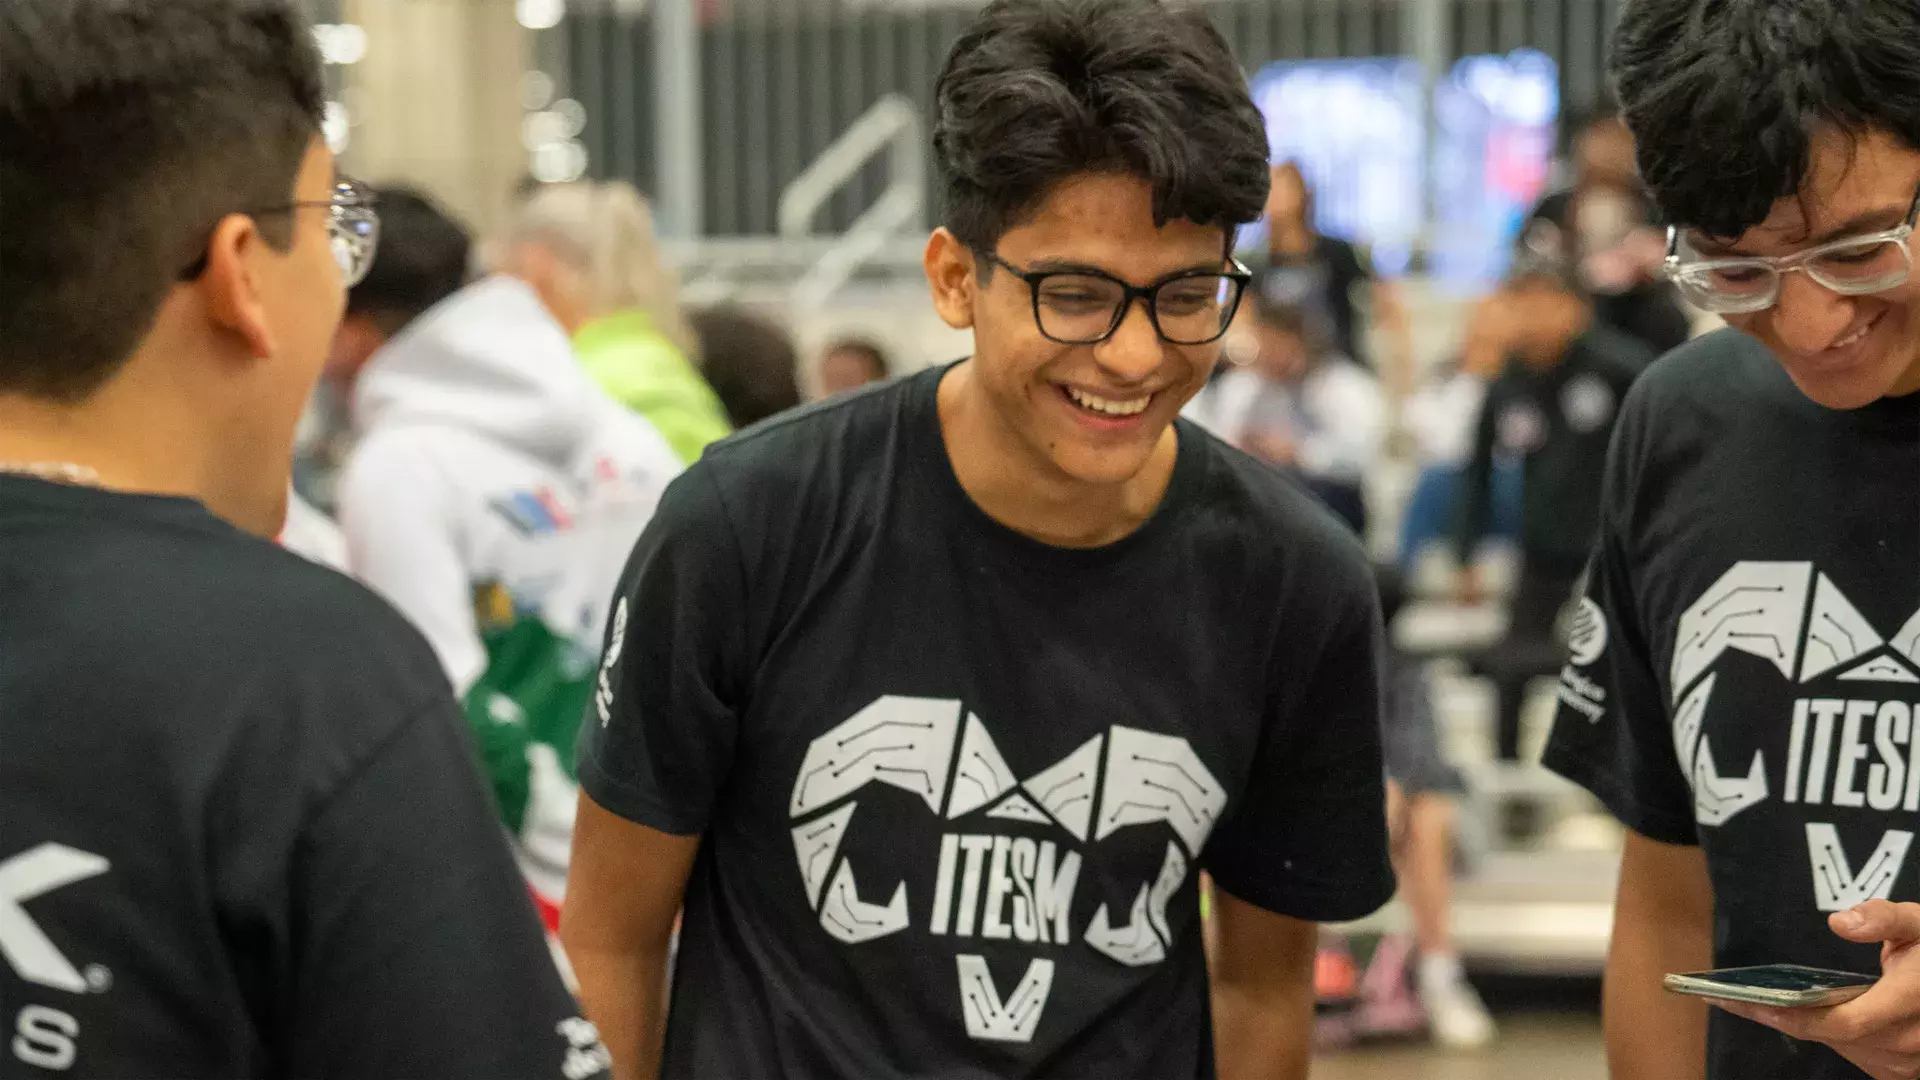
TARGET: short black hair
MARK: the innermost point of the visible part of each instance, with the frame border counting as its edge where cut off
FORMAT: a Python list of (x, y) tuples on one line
[(1038, 91), (128, 129), (1724, 96), (751, 363), (425, 257)]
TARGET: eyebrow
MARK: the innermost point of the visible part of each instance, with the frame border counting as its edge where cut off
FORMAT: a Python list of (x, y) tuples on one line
[(1070, 266), (1867, 221)]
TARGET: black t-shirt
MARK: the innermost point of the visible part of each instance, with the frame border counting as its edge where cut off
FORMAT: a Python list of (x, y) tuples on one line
[(242, 831), (1322, 281), (1557, 422), (955, 786), (1746, 665)]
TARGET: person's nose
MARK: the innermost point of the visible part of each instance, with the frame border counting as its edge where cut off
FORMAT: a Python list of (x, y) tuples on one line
[(1808, 316), (1135, 350)]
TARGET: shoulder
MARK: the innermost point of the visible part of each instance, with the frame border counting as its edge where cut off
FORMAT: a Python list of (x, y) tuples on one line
[(816, 449), (279, 632), (1252, 511), (1716, 375)]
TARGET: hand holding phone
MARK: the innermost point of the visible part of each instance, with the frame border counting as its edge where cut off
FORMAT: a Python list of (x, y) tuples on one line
[(1781, 986)]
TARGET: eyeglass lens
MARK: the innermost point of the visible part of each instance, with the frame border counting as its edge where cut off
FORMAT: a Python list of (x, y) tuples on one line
[(1082, 309)]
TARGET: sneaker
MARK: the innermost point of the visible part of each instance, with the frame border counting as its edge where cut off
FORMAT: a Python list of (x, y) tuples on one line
[(1455, 1014)]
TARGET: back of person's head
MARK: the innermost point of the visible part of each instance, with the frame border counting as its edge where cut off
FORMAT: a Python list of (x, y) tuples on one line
[(849, 363), (1037, 92), (1726, 97), (425, 257), (750, 363), (170, 273), (129, 130), (590, 250)]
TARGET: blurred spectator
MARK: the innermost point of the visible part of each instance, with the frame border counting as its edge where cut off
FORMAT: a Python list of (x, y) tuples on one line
[(589, 250), (1421, 790), (1552, 406), (1299, 405), (1606, 222), (312, 535), (493, 496), (750, 363), (852, 363), (1320, 273), (1440, 417), (425, 256)]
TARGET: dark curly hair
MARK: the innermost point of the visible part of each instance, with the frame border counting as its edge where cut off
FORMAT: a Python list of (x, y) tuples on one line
[(1038, 91), (1724, 96)]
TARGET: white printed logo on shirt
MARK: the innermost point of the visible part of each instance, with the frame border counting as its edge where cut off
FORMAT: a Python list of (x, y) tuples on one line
[(1855, 747), (1000, 886)]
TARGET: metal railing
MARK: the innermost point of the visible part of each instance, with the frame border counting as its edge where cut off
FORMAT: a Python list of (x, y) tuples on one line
[(892, 125)]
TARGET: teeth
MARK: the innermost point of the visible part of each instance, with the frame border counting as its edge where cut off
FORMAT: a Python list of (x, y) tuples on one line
[(1107, 406), (1851, 338)]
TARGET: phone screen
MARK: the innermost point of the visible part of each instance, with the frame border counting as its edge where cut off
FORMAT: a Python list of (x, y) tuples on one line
[(1785, 977)]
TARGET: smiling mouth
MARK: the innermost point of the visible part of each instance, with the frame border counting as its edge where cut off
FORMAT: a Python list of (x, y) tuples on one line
[(1858, 335), (1111, 408)]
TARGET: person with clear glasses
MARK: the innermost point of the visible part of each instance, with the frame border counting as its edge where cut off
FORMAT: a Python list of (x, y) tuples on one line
[(1744, 686)]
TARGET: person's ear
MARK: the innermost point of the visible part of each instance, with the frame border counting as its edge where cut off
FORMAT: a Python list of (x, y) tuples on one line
[(950, 274), (231, 290)]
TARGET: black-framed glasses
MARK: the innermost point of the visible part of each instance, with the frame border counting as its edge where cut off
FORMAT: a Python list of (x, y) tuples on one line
[(1086, 307), (1853, 266), (353, 230)]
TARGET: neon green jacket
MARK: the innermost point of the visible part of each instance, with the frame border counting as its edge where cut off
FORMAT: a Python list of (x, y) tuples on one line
[(637, 366)]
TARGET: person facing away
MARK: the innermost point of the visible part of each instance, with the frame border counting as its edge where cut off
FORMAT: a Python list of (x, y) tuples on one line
[(935, 701), (241, 833), (851, 363), (750, 362), (1742, 688), (1301, 407), (1552, 407), (1302, 266), (492, 497), (589, 250)]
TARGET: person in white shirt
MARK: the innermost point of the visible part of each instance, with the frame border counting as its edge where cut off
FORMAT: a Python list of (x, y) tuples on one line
[(1299, 405)]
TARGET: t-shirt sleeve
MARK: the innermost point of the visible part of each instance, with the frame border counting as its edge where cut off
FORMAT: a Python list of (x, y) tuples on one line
[(658, 741), (1309, 838), (417, 950), (1612, 734)]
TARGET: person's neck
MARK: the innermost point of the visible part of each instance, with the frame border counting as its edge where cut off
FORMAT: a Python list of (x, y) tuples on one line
[(126, 441), (1908, 384), (1014, 485)]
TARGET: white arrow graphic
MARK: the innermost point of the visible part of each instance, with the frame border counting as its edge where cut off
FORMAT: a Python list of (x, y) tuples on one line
[(990, 1019), (22, 878)]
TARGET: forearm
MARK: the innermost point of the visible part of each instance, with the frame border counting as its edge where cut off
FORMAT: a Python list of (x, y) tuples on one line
[(624, 994), (1663, 923), (1651, 1034), (1262, 1033)]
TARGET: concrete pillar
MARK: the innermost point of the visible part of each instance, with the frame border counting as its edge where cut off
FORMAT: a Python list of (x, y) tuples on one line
[(436, 101)]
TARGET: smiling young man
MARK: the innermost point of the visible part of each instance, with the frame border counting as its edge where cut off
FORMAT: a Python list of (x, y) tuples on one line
[(1744, 690), (933, 702), (241, 829)]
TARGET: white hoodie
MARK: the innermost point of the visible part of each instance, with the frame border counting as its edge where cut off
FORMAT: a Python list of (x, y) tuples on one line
[(493, 498)]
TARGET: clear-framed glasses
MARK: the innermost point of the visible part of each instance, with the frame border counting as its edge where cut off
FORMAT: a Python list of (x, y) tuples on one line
[(1855, 266), (1085, 307), (353, 230)]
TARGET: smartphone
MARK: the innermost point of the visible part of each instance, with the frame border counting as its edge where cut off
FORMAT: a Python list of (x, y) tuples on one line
[(1788, 986)]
